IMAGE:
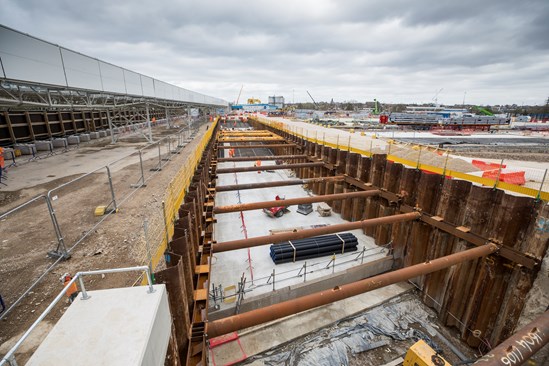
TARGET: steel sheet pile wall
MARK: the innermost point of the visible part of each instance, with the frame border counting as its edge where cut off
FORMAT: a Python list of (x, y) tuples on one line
[(483, 298), (187, 259), (319, 246)]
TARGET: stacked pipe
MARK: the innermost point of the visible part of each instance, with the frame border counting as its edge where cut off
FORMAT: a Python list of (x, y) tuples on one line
[(319, 246)]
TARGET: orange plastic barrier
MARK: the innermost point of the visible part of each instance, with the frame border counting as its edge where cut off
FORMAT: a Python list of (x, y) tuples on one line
[(482, 165), (512, 177)]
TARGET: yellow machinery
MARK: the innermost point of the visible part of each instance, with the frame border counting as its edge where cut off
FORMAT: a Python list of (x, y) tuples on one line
[(254, 101), (420, 354)]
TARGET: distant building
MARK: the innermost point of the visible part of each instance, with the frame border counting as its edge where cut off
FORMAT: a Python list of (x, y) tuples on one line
[(254, 107), (277, 101)]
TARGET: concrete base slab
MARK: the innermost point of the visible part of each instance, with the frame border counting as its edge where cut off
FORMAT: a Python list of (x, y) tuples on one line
[(228, 267)]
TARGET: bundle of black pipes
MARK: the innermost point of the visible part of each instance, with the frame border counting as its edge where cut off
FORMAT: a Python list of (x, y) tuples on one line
[(319, 246)]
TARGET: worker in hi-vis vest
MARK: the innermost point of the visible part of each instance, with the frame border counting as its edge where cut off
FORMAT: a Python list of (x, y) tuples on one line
[(72, 290), (1, 162)]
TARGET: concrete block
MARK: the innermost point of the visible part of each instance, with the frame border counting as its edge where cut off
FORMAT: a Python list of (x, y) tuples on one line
[(9, 153), (84, 137), (43, 145), (26, 149), (102, 133), (73, 140), (94, 135), (60, 142)]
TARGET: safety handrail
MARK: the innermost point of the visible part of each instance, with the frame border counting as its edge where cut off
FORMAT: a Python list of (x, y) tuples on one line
[(9, 358)]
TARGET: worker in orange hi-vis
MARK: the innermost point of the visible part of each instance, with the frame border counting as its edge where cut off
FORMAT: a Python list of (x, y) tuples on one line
[(258, 164), (231, 153), (1, 162), (72, 290)]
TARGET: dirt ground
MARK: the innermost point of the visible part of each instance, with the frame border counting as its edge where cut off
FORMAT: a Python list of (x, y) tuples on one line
[(531, 153), (118, 241)]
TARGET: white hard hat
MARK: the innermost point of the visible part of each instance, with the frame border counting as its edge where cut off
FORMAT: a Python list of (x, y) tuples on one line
[(65, 275)]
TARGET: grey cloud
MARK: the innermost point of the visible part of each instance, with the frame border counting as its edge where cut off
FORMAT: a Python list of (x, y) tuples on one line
[(394, 49)]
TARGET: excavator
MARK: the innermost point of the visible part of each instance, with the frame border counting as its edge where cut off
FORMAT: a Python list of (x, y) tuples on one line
[(483, 111)]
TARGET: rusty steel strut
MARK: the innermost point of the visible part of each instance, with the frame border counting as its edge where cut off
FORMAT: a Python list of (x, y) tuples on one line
[(286, 308), (292, 201), (280, 183), (302, 234), (518, 348)]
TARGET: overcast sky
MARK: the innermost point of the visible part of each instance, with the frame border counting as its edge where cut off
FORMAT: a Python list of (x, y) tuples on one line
[(490, 51)]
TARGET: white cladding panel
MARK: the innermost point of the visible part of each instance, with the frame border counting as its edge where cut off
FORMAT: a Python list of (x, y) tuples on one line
[(32, 60), (29, 59), (133, 83), (159, 90), (82, 71), (148, 86), (185, 95), (113, 78)]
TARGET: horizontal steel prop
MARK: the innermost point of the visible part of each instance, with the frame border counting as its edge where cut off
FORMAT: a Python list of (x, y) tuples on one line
[(292, 201), (291, 182), (263, 157), (242, 169), (505, 252), (302, 234), (286, 308), (264, 146), (255, 134), (250, 139), (518, 348)]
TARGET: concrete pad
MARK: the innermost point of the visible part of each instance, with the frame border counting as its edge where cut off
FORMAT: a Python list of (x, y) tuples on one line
[(124, 326), (43, 145), (25, 149), (60, 142), (73, 140)]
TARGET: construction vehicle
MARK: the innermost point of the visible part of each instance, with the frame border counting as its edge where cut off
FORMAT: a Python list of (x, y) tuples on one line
[(316, 105), (483, 111), (254, 101), (376, 108), (421, 354), (277, 211), (435, 98), (239, 93)]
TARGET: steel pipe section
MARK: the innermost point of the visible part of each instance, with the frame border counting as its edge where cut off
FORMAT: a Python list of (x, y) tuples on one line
[(517, 349), (246, 133), (261, 146), (293, 201), (250, 139), (267, 167), (302, 234), (281, 183), (283, 309), (264, 157)]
